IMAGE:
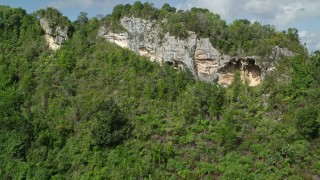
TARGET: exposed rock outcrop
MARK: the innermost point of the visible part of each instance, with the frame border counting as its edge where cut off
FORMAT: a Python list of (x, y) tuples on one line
[(55, 36), (197, 54)]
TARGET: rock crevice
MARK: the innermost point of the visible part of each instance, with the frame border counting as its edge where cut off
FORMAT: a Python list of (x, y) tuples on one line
[(197, 54)]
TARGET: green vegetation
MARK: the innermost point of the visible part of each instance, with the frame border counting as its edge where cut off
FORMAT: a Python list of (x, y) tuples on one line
[(54, 17), (239, 38), (92, 110), (111, 126)]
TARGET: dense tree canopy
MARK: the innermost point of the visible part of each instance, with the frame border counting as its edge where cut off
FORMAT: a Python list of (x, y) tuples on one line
[(91, 110), (54, 17)]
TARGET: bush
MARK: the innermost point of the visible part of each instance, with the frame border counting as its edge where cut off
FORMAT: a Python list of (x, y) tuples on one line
[(307, 124), (112, 125)]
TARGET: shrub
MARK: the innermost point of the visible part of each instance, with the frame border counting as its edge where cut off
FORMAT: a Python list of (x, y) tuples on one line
[(112, 125)]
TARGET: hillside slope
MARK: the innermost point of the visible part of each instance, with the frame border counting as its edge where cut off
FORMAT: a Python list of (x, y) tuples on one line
[(92, 110)]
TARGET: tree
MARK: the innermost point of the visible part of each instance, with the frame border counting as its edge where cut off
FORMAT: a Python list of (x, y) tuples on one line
[(293, 34), (136, 8), (112, 125), (236, 86), (82, 18), (307, 122), (166, 7), (149, 11), (118, 11)]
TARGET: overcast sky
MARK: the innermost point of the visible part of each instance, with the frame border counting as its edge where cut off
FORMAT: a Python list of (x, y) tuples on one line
[(301, 14)]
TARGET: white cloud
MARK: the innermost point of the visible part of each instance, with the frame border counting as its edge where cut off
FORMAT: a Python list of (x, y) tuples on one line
[(311, 39), (253, 21), (281, 13), (221, 7), (276, 11), (81, 3), (303, 34), (259, 7), (288, 13)]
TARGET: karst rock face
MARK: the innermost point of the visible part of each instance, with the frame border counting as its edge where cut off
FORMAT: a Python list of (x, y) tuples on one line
[(145, 38), (55, 35)]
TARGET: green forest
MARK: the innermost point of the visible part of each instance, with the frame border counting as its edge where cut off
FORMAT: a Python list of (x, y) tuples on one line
[(92, 110)]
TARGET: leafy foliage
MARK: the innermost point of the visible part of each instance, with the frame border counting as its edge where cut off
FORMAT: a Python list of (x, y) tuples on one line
[(54, 17), (239, 38), (111, 127), (92, 110)]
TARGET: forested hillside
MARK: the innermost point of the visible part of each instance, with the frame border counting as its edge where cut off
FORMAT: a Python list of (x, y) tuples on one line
[(92, 110)]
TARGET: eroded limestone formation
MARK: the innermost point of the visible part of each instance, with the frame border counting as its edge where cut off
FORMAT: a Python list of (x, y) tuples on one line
[(197, 54), (55, 36), (249, 71)]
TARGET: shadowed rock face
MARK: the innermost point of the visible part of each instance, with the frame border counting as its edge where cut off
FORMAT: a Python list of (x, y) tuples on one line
[(197, 54), (249, 71)]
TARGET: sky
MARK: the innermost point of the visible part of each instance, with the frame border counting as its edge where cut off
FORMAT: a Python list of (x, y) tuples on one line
[(301, 14)]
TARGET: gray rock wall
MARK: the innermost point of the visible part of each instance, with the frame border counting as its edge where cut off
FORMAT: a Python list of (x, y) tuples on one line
[(197, 54)]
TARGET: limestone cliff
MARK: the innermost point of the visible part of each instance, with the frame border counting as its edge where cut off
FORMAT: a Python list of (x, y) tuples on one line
[(55, 36), (197, 54)]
